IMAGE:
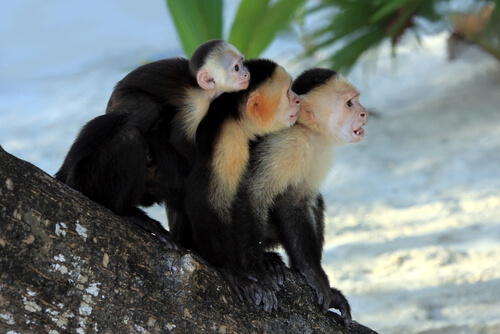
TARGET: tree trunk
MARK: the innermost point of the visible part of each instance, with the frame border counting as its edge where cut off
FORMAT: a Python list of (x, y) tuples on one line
[(68, 265)]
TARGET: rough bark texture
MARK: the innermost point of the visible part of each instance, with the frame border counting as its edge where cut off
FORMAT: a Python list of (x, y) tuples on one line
[(68, 265)]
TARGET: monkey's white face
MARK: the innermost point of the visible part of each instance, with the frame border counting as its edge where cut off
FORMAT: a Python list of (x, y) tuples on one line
[(239, 76), (224, 72), (334, 112), (347, 118), (231, 74)]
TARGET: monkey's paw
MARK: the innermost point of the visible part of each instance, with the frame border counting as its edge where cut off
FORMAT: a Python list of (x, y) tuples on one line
[(275, 273), (339, 302), (247, 287)]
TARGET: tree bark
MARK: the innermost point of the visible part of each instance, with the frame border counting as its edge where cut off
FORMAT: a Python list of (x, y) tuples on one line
[(68, 265)]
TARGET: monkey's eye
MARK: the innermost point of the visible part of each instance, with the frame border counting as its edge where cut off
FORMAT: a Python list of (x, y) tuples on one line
[(236, 67), (349, 104)]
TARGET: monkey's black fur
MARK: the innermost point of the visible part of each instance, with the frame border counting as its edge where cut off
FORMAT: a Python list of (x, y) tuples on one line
[(311, 79), (110, 162), (198, 58), (136, 154)]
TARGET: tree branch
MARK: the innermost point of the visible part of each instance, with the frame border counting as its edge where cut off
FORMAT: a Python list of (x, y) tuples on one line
[(67, 264)]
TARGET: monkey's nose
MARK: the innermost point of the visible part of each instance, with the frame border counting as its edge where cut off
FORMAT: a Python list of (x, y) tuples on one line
[(297, 100)]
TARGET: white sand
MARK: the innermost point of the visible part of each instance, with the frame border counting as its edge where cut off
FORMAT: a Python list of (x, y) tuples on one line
[(413, 233)]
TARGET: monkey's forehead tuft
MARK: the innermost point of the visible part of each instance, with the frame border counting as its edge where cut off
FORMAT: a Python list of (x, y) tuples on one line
[(312, 78)]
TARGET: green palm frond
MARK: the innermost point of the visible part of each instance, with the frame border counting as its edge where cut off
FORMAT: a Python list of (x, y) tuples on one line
[(257, 23), (255, 26), (360, 25), (196, 21)]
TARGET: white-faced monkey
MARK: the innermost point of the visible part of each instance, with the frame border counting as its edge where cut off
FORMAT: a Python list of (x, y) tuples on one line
[(280, 203), (222, 153)]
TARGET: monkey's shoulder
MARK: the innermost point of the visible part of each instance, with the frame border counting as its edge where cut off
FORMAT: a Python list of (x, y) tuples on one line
[(223, 109)]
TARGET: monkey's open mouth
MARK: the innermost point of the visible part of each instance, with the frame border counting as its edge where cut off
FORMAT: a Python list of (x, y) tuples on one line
[(359, 132)]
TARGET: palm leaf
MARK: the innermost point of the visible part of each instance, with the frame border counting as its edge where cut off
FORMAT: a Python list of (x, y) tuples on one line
[(257, 23), (247, 16), (350, 53), (390, 7), (196, 21), (358, 25)]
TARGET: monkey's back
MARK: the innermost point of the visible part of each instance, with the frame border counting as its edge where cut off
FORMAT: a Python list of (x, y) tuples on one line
[(162, 82)]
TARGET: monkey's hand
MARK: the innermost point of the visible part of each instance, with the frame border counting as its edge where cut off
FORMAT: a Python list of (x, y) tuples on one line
[(274, 270), (328, 297), (247, 287), (339, 302)]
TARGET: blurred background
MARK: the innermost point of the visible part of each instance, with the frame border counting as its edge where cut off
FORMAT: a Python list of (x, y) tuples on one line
[(413, 218)]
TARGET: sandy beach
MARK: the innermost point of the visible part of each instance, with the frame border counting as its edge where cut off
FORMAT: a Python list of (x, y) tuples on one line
[(413, 218), (413, 233)]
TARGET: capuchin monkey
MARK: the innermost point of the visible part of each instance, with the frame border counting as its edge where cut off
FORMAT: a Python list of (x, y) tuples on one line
[(222, 153), (190, 85), (139, 152), (279, 203)]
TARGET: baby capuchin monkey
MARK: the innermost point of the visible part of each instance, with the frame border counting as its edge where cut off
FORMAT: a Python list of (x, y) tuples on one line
[(190, 85), (222, 153), (139, 152), (279, 203)]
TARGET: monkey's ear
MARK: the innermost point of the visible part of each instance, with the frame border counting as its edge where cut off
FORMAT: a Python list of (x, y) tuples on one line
[(204, 80), (254, 104)]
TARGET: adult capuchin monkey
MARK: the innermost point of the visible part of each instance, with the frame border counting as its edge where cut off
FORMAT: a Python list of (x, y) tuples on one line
[(140, 151), (222, 153), (280, 203)]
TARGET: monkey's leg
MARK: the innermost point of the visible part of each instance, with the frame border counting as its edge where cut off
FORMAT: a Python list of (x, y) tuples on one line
[(116, 173), (216, 242), (250, 232)]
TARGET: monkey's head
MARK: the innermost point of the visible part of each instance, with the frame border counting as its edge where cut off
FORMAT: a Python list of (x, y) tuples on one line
[(218, 66), (330, 106), (270, 102)]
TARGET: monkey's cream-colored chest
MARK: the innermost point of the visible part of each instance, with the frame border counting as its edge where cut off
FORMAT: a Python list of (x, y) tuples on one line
[(317, 159), (292, 158)]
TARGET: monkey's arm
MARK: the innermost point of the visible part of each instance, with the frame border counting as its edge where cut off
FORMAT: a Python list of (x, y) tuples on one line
[(295, 219), (249, 228)]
